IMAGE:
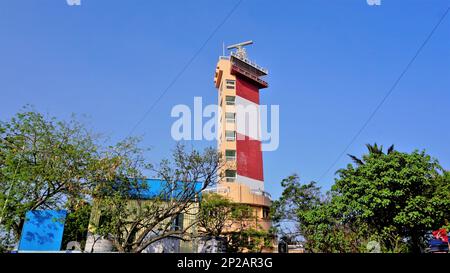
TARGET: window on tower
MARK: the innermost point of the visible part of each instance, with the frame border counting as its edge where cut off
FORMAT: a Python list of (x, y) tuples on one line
[(178, 222), (230, 175), (266, 213), (230, 84), (230, 117), (230, 155), (230, 100), (230, 135)]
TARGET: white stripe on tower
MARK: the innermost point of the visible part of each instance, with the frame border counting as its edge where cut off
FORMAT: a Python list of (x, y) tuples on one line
[(247, 118), (250, 182)]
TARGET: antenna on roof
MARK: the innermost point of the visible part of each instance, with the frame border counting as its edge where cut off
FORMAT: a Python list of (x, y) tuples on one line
[(240, 50)]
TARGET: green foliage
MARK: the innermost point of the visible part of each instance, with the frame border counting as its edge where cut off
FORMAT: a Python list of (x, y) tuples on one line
[(216, 214), (44, 164), (296, 197), (248, 240), (132, 223), (393, 198), (317, 219), (220, 217), (76, 224), (397, 195)]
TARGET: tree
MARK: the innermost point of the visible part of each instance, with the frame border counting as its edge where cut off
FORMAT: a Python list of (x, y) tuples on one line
[(399, 196), (44, 164), (250, 239), (76, 224), (133, 222), (295, 198), (222, 219), (374, 150), (393, 198), (216, 214), (303, 213)]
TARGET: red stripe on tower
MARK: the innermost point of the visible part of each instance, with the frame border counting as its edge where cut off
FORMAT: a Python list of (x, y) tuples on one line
[(248, 143), (247, 90), (249, 157)]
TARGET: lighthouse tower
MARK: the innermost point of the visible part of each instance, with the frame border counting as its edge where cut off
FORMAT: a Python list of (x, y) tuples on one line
[(239, 82)]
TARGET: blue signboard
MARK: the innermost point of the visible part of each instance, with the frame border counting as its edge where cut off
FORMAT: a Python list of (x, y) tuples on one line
[(42, 230)]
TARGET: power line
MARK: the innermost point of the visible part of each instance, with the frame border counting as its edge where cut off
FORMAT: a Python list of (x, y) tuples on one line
[(184, 68), (358, 133)]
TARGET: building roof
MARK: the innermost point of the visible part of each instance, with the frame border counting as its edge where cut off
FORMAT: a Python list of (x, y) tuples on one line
[(158, 188)]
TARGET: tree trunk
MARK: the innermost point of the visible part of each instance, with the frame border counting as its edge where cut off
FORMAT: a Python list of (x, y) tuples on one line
[(415, 243)]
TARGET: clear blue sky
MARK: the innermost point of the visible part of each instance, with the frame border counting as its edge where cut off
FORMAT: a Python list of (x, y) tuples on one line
[(330, 64)]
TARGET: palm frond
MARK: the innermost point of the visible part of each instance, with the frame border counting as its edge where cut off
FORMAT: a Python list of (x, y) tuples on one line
[(391, 149), (356, 159)]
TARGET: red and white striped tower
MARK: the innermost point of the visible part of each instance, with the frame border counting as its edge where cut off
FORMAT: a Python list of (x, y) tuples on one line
[(239, 82)]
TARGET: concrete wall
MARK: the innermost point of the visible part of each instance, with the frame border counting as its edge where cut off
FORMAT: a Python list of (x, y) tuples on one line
[(96, 244)]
